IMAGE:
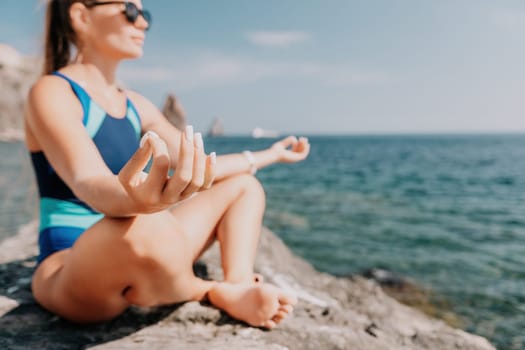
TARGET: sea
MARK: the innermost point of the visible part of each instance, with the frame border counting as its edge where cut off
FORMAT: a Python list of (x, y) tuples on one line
[(444, 211)]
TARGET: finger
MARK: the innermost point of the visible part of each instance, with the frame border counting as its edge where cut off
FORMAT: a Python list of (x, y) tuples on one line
[(301, 150), (300, 155), (159, 167), (300, 144), (199, 167), (137, 162), (211, 160), (183, 173), (302, 141), (289, 141), (306, 150)]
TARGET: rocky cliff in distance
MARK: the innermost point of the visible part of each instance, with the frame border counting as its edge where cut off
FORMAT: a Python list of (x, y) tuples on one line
[(332, 313), (17, 74), (216, 128), (174, 112)]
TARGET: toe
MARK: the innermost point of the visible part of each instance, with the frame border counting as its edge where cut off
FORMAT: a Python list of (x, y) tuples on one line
[(277, 319), (287, 299), (287, 308), (269, 324), (279, 316)]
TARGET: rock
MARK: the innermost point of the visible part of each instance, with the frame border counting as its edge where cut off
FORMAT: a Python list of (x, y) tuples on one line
[(216, 128), (332, 313), (17, 74), (174, 112), (410, 293)]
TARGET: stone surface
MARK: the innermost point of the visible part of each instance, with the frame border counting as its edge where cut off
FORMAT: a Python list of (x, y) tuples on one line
[(333, 313), (174, 112), (216, 128), (17, 74)]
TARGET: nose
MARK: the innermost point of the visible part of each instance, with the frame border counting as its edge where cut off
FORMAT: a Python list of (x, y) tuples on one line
[(141, 23)]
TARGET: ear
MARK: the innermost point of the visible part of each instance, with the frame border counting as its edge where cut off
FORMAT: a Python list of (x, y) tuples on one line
[(80, 20)]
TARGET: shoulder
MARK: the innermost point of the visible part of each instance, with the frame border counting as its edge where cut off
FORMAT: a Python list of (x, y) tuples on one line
[(149, 113), (48, 85), (50, 88), (51, 96), (139, 101)]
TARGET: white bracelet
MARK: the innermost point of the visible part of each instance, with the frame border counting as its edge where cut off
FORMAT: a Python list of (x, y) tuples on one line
[(251, 159)]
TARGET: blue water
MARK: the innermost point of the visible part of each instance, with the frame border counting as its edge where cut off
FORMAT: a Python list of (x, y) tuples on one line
[(446, 211)]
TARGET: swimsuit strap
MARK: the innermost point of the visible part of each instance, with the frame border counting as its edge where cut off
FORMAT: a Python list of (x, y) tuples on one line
[(93, 111), (79, 92)]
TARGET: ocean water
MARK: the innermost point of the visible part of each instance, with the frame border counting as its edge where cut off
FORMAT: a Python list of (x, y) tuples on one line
[(446, 211)]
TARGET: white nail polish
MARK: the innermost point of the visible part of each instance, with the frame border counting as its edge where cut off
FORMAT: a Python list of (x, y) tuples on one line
[(189, 133), (198, 140), (213, 157), (146, 135), (143, 139)]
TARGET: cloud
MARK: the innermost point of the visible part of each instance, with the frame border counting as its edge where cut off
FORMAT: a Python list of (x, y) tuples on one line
[(276, 38), (509, 19), (220, 70)]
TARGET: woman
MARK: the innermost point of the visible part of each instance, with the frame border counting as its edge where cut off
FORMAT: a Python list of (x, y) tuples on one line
[(111, 235)]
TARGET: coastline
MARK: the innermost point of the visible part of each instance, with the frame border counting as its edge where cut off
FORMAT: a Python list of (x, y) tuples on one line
[(337, 313)]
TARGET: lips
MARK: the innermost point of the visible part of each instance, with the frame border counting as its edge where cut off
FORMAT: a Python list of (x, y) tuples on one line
[(139, 40)]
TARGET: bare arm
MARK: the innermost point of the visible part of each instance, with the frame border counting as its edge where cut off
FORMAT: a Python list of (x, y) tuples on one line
[(58, 129), (288, 150), (60, 134)]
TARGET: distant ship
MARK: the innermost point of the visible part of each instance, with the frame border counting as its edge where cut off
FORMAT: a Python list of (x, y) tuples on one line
[(260, 132)]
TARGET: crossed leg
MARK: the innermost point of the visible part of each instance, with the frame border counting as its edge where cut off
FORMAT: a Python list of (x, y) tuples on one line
[(147, 260), (231, 212)]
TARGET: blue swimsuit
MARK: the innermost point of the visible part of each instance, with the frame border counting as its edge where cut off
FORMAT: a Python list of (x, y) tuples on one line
[(63, 217)]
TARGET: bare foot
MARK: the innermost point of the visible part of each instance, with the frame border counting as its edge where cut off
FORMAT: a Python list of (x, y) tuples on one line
[(259, 305)]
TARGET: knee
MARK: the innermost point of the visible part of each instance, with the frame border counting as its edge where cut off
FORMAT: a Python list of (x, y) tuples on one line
[(159, 243), (251, 185)]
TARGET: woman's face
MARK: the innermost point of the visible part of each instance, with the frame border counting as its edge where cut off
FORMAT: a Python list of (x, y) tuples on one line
[(109, 32)]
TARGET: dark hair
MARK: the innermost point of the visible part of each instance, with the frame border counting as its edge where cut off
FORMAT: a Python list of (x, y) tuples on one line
[(59, 35)]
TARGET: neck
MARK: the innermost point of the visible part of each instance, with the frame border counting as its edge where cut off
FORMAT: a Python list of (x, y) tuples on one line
[(99, 69)]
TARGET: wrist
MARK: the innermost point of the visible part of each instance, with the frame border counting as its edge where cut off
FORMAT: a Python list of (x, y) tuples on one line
[(251, 162), (275, 154)]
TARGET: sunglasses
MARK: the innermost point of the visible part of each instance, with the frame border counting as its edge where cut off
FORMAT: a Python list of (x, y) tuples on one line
[(131, 11)]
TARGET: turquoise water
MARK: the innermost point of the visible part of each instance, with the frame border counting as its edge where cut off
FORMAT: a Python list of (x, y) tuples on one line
[(446, 211)]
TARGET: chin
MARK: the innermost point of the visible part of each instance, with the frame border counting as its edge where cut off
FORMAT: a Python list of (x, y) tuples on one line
[(132, 53), (136, 54)]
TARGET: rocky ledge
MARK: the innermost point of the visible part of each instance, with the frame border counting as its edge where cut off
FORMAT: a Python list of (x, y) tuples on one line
[(17, 73), (332, 313)]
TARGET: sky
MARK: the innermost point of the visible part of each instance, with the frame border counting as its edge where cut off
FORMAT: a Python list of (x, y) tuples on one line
[(325, 66)]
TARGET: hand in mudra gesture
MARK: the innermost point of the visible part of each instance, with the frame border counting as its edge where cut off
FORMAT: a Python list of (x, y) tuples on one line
[(156, 190), (291, 150)]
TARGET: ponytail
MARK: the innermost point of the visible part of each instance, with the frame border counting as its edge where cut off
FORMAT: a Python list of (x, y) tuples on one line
[(59, 35)]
